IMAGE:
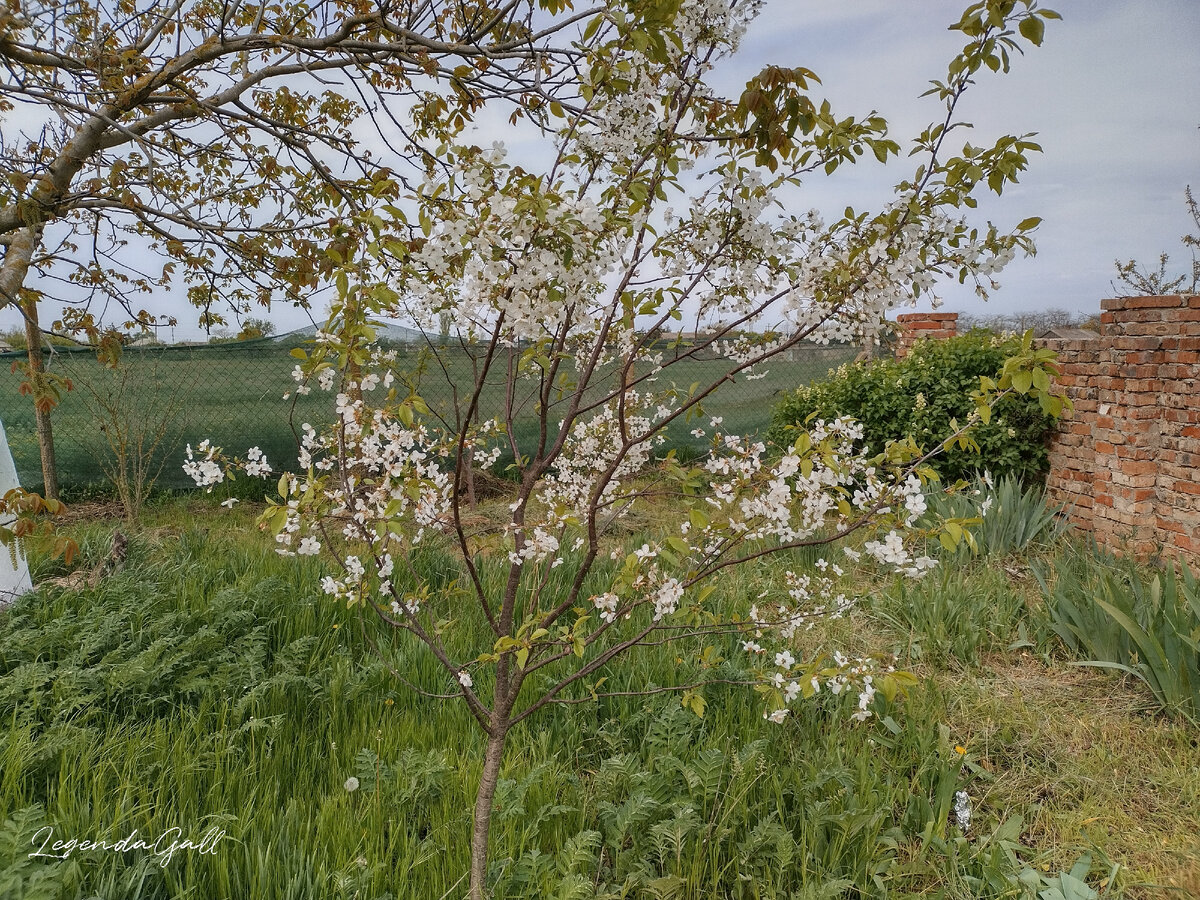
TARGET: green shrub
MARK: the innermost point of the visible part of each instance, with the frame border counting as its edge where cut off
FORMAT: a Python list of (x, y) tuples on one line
[(918, 396)]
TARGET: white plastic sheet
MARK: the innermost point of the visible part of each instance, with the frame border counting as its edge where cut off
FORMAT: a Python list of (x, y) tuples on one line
[(14, 570)]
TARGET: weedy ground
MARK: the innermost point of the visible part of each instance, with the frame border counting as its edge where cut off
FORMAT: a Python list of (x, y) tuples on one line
[(209, 683)]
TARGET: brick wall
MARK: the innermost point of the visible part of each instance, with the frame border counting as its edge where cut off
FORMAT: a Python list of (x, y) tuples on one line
[(914, 327), (1127, 460)]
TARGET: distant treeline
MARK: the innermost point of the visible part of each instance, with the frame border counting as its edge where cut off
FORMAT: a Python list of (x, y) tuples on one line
[(1021, 322)]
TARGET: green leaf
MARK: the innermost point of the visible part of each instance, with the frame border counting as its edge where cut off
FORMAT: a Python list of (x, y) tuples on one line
[(1033, 29)]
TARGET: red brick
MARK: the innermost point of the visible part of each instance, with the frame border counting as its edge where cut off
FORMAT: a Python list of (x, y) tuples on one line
[(1137, 467), (1158, 329), (1136, 343), (1134, 316), (1157, 302)]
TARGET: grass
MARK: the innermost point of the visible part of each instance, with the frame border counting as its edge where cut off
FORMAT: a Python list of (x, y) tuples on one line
[(234, 397), (210, 684)]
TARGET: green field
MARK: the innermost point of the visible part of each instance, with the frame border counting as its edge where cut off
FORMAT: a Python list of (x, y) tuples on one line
[(233, 395)]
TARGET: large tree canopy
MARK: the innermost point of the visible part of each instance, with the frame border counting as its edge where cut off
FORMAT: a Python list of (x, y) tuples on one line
[(220, 134)]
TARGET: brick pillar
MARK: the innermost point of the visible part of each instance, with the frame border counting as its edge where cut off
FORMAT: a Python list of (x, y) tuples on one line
[(1127, 460), (932, 326)]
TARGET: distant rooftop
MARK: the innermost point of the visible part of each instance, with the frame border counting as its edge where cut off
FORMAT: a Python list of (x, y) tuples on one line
[(1070, 334)]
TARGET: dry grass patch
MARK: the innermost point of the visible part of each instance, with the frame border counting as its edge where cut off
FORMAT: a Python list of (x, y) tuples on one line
[(1084, 758)]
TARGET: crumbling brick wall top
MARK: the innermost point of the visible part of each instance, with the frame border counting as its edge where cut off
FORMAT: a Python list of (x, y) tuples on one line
[(933, 326)]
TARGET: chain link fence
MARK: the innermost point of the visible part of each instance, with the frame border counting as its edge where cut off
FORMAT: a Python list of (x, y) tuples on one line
[(161, 398)]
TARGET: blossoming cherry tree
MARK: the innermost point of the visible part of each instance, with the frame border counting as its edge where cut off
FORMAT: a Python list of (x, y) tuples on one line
[(662, 201)]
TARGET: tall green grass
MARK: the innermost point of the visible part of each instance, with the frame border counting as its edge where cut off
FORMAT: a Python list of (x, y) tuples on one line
[(210, 684), (968, 606), (953, 614)]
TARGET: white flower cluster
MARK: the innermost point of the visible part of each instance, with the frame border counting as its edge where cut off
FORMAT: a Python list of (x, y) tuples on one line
[(780, 499), (628, 122), (535, 545), (813, 598), (256, 463), (720, 22), (206, 472), (793, 681), (607, 604), (667, 597), (899, 266), (492, 257), (620, 438), (891, 551)]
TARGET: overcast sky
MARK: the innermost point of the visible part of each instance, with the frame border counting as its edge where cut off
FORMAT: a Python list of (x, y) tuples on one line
[(1112, 94)]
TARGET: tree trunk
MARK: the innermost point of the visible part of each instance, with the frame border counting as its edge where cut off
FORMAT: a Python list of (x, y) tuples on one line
[(484, 799), (18, 256), (45, 433)]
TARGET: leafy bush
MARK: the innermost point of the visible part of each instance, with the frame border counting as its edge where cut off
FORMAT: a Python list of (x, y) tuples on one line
[(919, 395), (139, 417), (1119, 617)]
